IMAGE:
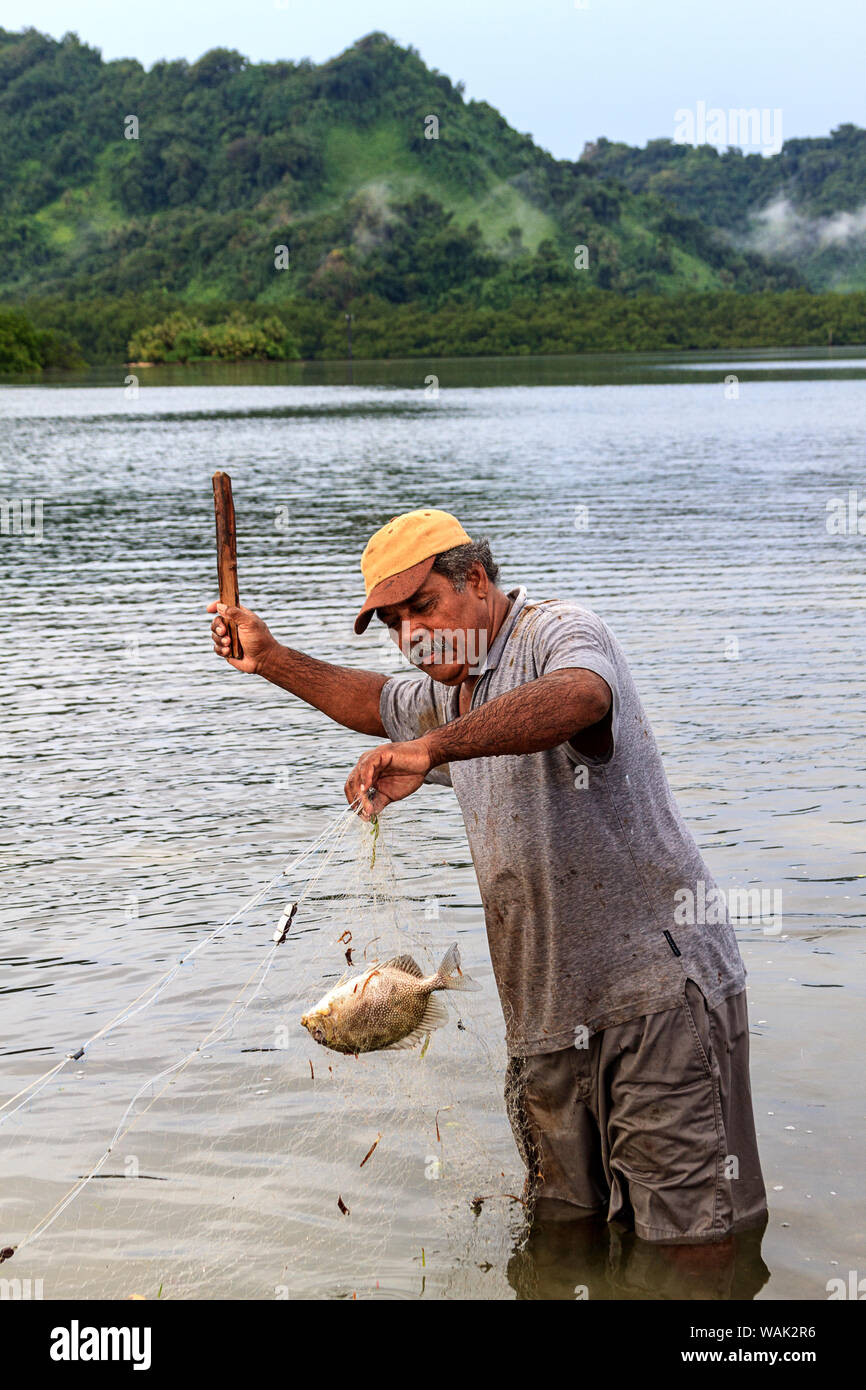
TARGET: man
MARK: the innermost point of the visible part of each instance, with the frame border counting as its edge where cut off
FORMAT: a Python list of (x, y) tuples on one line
[(626, 1026)]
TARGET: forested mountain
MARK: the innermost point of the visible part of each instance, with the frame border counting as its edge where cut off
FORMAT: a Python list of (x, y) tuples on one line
[(804, 207), (228, 208), (185, 178)]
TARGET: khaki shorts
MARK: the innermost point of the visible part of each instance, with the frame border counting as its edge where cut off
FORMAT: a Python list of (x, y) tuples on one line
[(650, 1124)]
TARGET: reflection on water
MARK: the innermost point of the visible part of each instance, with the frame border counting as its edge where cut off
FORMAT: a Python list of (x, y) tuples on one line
[(567, 1259), (156, 789), (426, 374)]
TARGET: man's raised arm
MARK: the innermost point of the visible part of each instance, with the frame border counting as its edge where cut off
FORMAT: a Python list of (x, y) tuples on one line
[(347, 696)]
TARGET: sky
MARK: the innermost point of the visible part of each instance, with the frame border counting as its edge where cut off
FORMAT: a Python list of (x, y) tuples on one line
[(563, 71)]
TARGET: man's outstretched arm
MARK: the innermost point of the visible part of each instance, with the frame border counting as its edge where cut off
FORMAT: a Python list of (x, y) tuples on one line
[(347, 696), (539, 715), (529, 719)]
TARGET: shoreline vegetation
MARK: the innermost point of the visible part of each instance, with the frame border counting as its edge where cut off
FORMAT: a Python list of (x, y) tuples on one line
[(141, 331)]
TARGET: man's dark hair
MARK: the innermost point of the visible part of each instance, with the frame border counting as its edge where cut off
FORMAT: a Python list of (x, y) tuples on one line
[(456, 563)]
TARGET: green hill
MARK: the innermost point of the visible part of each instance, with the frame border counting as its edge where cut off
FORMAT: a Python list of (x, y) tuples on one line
[(804, 207), (233, 159), (228, 208)]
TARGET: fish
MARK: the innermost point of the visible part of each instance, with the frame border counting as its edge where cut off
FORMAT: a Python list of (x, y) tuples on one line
[(388, 1006)]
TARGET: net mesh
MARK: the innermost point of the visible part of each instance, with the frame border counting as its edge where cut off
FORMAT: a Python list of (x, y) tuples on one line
[(248, 1161)]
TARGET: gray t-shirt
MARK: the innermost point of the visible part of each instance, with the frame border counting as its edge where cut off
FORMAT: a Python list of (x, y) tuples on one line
[(579, 860)]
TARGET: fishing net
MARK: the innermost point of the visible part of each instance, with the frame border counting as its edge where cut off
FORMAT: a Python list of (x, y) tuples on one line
[(247, 1161)]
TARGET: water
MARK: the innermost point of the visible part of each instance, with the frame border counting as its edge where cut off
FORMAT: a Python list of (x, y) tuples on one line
[(153, 788)]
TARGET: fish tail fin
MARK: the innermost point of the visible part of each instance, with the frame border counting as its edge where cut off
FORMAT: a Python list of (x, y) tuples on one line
[(449, 974)]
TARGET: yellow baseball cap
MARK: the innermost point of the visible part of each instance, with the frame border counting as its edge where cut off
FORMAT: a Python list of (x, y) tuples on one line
[(399, 557)]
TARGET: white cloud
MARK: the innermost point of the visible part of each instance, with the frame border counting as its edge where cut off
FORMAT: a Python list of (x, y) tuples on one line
[(780, 230)]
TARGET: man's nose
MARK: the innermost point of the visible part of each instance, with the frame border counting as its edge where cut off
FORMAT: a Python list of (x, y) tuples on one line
[(411, 633)]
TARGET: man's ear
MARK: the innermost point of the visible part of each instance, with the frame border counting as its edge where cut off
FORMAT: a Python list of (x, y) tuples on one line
[(478, 579)]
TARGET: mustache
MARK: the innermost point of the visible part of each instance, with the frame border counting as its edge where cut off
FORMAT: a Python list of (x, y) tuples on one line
[(444, 646)]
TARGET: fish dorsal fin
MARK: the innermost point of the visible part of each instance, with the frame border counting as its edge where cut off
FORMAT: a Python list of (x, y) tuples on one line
[(404, 963)]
